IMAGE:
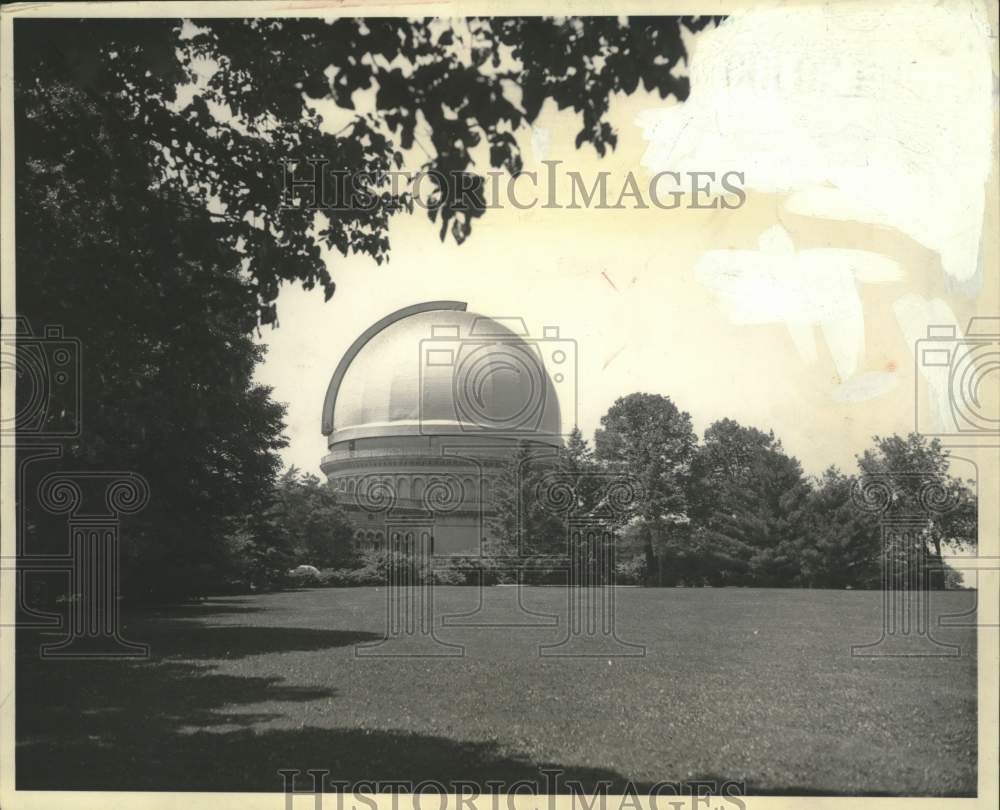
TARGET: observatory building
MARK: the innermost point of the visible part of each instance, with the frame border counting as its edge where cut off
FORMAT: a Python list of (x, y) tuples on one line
[(421, 414)]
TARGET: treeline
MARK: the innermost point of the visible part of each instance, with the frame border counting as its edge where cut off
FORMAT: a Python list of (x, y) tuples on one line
[(153, 229), (734, 508), (154, 233), (731, 509)]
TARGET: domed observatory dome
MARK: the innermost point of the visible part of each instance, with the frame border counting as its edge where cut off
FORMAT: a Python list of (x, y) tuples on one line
[(423, 410)]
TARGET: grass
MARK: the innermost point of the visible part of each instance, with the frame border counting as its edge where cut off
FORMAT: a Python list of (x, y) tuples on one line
[(755, 686)]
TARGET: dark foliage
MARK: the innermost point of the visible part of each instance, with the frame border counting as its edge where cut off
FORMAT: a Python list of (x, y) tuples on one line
[(471, 82), (151, 221), (151, 225), (164, 319)]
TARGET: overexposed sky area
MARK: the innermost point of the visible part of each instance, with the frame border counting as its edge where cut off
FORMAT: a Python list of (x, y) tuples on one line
[(797, 311)]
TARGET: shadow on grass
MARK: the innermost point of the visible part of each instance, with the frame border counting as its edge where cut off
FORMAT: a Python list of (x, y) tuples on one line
[(175, 723), (243, 761), (118, 703), (167, 724), (194, 610), (811, 791), (207, 642)]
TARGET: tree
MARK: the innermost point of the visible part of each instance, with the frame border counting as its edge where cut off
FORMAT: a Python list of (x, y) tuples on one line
[(524, 521), (312, 525), (447, 87), (153, 225), (647, 436), (164, 318), (577, 465), (911, 476), (747, 498), (839, 544)]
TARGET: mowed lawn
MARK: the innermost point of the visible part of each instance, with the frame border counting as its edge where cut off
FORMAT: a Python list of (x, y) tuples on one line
[(754, 686)]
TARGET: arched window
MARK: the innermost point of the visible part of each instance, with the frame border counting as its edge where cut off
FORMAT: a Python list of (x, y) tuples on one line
[(468, 490), (418, 488), (380, 540), (403, 486)]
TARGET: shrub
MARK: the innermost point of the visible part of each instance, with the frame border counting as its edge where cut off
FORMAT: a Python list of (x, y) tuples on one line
[(631, 571)]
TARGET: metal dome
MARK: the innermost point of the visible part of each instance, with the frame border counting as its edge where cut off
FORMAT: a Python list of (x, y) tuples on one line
[(436, 369)]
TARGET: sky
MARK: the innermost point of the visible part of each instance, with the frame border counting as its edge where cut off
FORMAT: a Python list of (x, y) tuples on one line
[(796, 312)]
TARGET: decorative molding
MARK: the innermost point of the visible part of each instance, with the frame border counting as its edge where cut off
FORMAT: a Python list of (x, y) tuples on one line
[(405, 464)]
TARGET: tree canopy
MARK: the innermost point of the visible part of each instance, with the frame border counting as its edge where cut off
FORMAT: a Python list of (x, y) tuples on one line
[(219, 109), (152, 223), (167, 358), (650, 437)]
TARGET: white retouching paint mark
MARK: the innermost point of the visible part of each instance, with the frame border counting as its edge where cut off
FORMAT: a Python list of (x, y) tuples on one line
[(804, 337), (866, 386), (541, 143), (804, 289), (878, 112)]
